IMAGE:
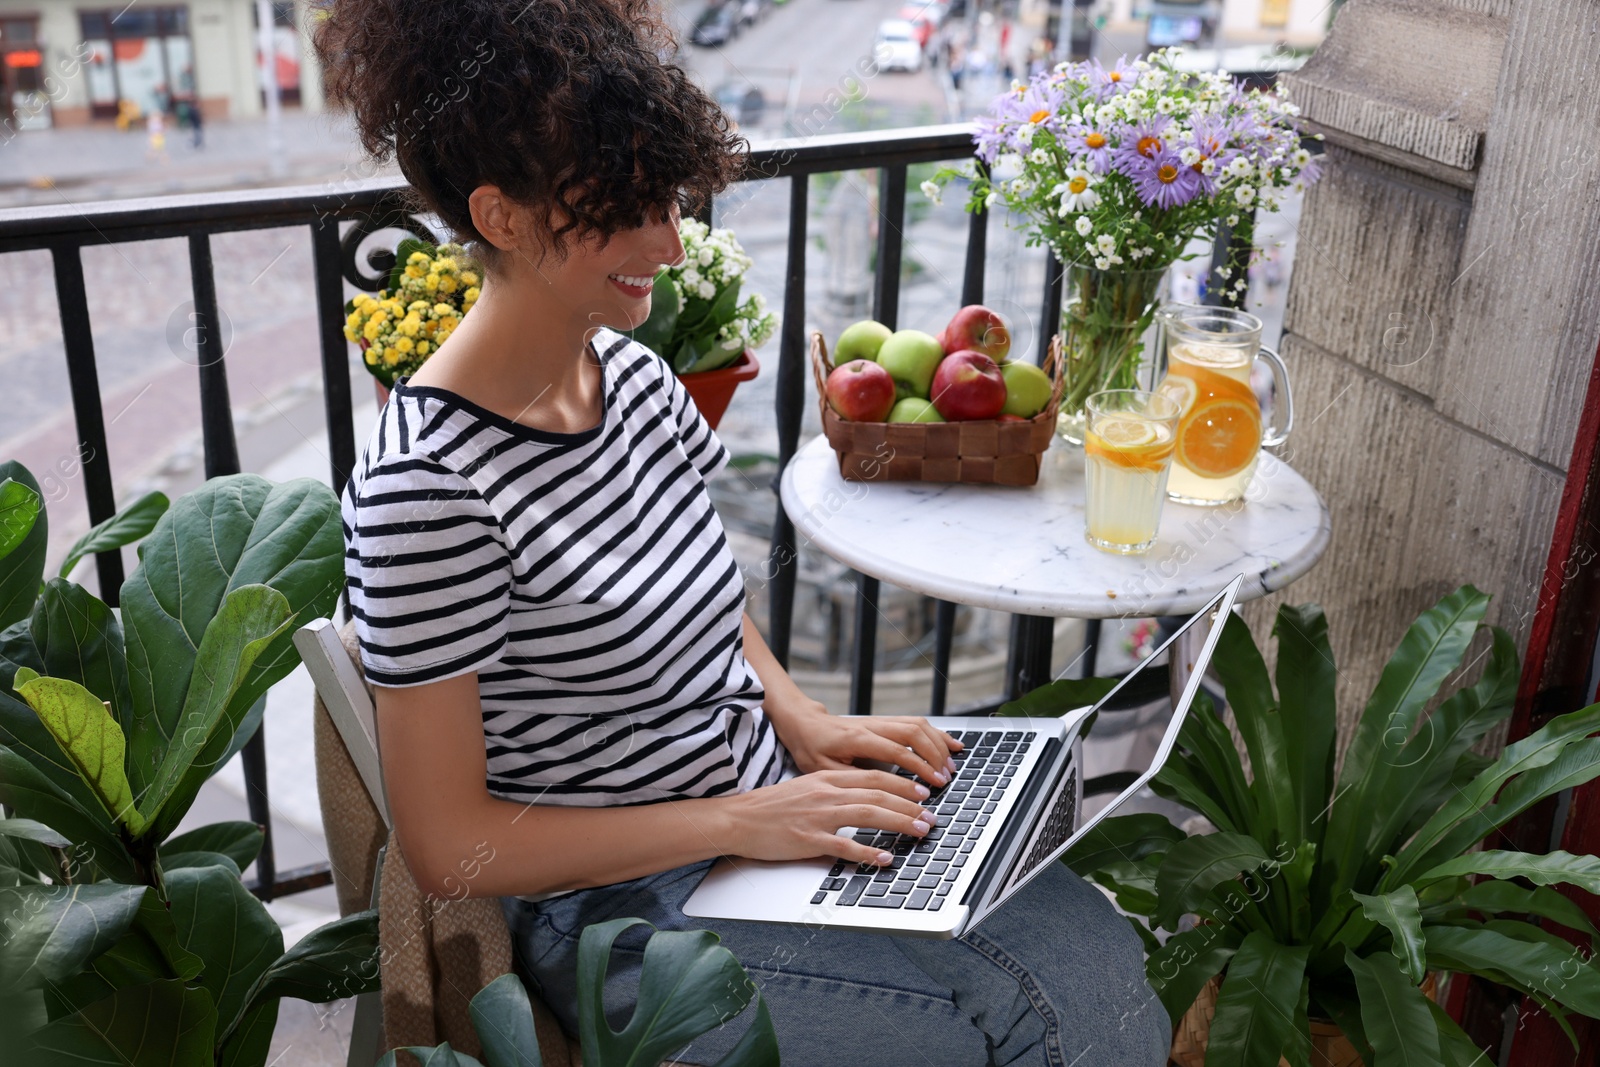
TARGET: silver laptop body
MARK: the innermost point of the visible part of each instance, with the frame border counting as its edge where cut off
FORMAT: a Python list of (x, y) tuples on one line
[(1030, 815)]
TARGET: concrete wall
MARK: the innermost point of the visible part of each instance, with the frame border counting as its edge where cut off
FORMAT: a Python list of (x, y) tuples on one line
[(1444, 310)]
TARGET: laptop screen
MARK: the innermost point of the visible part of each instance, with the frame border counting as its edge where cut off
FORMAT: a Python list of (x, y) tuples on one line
[(1053, 830)]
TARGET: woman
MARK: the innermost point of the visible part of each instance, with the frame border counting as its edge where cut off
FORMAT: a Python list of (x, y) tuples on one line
[(574, 712)]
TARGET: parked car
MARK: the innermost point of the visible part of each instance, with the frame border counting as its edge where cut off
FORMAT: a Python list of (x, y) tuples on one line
[(896, 47), (743, 102), (716, 25), (922, 25)]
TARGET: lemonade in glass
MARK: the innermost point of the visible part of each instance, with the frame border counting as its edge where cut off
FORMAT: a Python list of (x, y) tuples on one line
[(1210, 353), (1129, 439)]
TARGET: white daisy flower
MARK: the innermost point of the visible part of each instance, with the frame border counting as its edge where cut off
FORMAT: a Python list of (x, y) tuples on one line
[(1189, 154), (1106, 244), (1101, 263), (1077, 192), (931, 191), (1245, 195), (1083, 226)]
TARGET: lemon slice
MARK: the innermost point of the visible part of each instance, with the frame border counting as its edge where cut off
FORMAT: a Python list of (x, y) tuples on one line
[(1180, 390), (1126, 433)]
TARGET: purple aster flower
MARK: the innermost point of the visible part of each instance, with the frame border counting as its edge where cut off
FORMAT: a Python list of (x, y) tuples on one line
[(1083, 139), (1212, 134), (1040, 103), (989, 137), (1138, 142), (1163, 181), (1104, 83)]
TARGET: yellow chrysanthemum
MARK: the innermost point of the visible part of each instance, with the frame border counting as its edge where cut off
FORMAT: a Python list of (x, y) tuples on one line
[(420, 307), (372, 357), (431, 281), (471, 294), (443, 309), (370, 331), (417, 257), (447, 284), (391, 357), (402, 344), (422, 348), (444, 263), (354, 318), (469, 277)]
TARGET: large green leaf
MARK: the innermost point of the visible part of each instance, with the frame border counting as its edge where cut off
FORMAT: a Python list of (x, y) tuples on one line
[(26, 790), (1178, 970), (1208, 754), (231, 532), (1399, 912), (79, 639), (19, 510), (1455, 1047), (91, 739), (219, 921), (503, 1019), (1239, 665), (1262, 998), (50, 932), (250, 1041), (147, 952), (1549, 868), (31, 830), (22, 568), (1464, 820), (1121, 837), (239, 841), (1432, 647), (1306, 678), (1497, 897), (334, 961), (1394, 1014), (1054, 699), (1196, 865), (689, 984), (1183, 781), (23, 733), (1560, 973), (162, 1024), (1432, 756), (251, 618), (124, 528)]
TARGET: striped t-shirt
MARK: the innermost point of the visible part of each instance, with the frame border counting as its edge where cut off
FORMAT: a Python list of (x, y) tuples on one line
[(585, 577)]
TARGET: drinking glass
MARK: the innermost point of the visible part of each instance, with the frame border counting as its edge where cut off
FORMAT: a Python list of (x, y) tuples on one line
[(1129, 439)]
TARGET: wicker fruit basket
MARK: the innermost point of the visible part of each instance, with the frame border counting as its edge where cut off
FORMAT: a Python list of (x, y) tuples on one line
[(984, 452)]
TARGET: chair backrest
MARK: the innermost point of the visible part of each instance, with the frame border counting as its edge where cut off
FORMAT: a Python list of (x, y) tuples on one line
[(344, 693)]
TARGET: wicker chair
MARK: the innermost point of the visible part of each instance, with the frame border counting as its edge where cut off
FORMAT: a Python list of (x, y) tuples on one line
[(435, 956)]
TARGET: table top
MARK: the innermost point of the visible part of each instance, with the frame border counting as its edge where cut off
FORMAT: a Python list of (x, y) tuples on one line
[(1022, 550)]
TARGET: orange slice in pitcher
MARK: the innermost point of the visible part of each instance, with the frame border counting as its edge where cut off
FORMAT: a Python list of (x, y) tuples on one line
[(1220, 436)]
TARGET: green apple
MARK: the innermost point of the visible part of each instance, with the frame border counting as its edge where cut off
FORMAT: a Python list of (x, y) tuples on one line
[(910, 357), (860, 340), (914, 409), (1027, 389)]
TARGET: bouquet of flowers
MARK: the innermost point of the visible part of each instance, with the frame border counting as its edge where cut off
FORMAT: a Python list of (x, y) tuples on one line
[(1117, 170), (430, 289), (1125, 166), (697, 322)]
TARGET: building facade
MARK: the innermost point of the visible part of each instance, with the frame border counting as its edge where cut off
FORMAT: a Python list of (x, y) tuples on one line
[(69, 62)]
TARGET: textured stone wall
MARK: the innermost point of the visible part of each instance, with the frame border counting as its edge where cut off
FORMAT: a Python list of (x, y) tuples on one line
[(1444, 309)]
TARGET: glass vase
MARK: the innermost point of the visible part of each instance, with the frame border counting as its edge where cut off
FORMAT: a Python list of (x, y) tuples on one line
[(1104, 316)]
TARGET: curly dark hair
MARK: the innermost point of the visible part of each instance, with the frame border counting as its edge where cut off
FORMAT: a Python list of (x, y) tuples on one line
[(556, 102)]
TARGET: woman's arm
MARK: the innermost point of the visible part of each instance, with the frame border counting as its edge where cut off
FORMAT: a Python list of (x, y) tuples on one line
[(460, 841)]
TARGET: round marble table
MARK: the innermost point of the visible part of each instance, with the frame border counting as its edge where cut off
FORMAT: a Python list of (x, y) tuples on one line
[(1022, 550)]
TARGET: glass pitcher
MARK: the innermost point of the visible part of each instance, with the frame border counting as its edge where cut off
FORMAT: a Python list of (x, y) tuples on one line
[(1210, 352)]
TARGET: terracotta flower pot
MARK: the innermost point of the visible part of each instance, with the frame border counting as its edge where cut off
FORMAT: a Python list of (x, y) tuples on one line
[(1329, 1046), (711, 390)]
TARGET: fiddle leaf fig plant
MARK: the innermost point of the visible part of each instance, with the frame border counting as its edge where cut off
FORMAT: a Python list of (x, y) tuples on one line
[(689, 985), (1329, 896), (122, 942)]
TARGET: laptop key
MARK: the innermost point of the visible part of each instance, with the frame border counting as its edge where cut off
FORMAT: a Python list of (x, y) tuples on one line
[(833, 883), (928, 881), (919, 899), (982, 820), (905, 884), (937, 868), (852, 892), (945, 854), (1014, 735), (936, 903), (885, 874), (877, 889), (837, 869), (893, 900), (944, 889), (819, 898), (967, 846), (922, 847), (988, 809)]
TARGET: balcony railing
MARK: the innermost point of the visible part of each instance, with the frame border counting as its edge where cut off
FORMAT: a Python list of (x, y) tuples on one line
[(341, 217)]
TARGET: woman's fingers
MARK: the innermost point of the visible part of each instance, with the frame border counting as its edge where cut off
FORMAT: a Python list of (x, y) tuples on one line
[(930, 755), (866, 778)]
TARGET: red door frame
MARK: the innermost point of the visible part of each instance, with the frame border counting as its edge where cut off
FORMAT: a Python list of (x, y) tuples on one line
[(1555, 672)]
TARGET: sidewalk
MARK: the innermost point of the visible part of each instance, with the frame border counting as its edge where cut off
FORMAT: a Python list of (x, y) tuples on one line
[(99, 162)]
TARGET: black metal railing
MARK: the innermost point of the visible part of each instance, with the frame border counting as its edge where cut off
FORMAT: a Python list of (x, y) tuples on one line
[(342, 217)]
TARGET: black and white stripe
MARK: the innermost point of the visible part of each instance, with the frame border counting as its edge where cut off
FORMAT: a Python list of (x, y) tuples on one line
[(585, 578)]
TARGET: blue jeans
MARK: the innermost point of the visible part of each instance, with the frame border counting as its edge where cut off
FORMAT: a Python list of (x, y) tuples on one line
[(1055, 978)]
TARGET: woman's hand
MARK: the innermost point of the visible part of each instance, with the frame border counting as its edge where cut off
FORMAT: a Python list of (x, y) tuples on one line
[(798, 818), (831, 742)]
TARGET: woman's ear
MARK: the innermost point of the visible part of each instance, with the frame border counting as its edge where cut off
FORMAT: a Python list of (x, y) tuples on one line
[(500, 221)]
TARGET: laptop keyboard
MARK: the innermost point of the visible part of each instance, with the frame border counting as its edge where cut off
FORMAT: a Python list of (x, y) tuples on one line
[(925, 868)]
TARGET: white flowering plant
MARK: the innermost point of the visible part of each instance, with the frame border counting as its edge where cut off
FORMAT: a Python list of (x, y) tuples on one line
[(697, 321), (1122, 167)]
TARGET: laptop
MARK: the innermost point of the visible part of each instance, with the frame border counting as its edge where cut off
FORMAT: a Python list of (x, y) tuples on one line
[(1012, 808)]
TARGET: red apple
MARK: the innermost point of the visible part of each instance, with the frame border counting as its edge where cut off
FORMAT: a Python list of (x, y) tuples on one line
[(979, 329), (968, 385), (861, 391)]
